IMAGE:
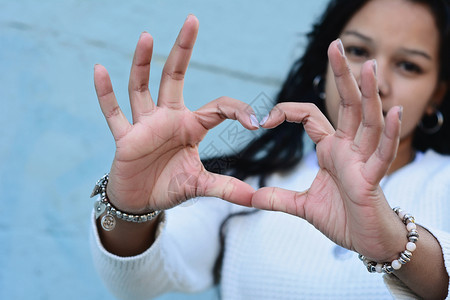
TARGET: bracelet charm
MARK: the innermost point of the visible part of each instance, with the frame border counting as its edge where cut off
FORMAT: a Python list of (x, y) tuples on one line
[(108, 221)]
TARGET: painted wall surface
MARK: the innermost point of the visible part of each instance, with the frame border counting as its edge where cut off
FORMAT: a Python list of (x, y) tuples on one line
[(54, 142)]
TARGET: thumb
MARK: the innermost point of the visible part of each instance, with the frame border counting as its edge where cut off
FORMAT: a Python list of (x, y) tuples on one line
[(278, 199), (225, 187)]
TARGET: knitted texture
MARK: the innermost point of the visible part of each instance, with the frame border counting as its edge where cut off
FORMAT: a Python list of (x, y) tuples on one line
[(272, 255)]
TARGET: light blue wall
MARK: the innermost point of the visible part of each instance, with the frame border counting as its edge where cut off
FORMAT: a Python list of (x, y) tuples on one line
[(54, 143)]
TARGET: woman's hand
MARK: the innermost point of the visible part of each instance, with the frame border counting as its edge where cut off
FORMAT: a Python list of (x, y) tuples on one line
[(156, 164), (345, 201)]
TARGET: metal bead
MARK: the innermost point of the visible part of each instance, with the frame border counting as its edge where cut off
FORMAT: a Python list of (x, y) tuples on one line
[(397, 209), (119, 214), (408, 253), (402, 260), (388, 269), (410, 220), (413, 233), (406, 217), (371, 268), (413, 239)]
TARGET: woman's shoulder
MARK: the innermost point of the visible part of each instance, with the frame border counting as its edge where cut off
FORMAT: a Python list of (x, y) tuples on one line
[(431, 165), (434, 159)]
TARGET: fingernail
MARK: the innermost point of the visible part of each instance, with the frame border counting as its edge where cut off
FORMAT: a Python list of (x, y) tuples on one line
[(254, 121), (400, 113), (375, 66), (340, 47), (264, 120)]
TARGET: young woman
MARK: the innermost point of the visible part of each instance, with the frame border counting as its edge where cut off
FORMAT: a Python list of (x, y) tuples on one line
[(384, 75)]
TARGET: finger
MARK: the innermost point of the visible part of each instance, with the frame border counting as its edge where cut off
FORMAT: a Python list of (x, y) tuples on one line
[(140, 99), (117, 122), (372, 125), (172, 79), (315, 123), (379, 162), (278, 199), (226, 187), (350, 105), (216, 111)]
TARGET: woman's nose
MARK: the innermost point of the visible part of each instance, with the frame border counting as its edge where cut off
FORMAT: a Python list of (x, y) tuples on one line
[(383, 79)]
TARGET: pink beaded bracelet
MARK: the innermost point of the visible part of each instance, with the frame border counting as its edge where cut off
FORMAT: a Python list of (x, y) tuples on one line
[(405, 256)]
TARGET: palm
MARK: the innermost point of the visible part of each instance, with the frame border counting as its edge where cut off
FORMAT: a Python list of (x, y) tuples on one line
[(344, 201), (157, 165), (160, 149), (339, 194)]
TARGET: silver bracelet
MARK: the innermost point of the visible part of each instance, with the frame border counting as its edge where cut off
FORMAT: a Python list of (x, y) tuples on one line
[(108, 221), (405, 256)]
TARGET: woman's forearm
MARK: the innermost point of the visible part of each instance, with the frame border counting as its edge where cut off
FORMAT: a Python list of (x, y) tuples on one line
[(128, 238), (425, 274)]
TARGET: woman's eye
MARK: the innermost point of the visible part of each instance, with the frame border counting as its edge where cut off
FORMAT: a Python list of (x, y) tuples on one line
[(357, 51), (410, 67)]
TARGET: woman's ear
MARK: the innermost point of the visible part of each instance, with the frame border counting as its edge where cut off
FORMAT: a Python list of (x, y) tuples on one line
[(439, 94)]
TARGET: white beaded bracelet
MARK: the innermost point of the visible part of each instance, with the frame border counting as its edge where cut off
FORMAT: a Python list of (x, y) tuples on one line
[(405, 256), (108, 221)]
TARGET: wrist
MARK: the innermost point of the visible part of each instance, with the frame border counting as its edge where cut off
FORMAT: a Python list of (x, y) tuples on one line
[(395, 240), (404, 255), (128, 238), (108, 220)]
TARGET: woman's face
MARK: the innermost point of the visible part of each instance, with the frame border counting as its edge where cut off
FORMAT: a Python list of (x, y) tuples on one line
[(403, 38)]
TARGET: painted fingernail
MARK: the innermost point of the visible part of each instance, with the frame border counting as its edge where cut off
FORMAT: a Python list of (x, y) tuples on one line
[(340, 47), (375, 66), (254, 121), (264, 120), (400, 113)]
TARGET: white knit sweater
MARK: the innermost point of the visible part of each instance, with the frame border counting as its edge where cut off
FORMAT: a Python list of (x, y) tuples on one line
[(272, 255)]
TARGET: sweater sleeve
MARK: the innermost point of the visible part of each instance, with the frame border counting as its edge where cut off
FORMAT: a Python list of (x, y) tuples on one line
[(180, 260)]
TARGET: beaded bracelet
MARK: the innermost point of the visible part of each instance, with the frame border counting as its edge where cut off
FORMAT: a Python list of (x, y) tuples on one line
[(108, 221), (405, 256)]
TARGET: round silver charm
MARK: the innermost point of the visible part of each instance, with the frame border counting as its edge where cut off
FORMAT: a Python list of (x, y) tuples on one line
[(108, 222)]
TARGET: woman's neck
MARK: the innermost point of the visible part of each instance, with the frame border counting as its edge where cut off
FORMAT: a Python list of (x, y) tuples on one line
[(405, 155)]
